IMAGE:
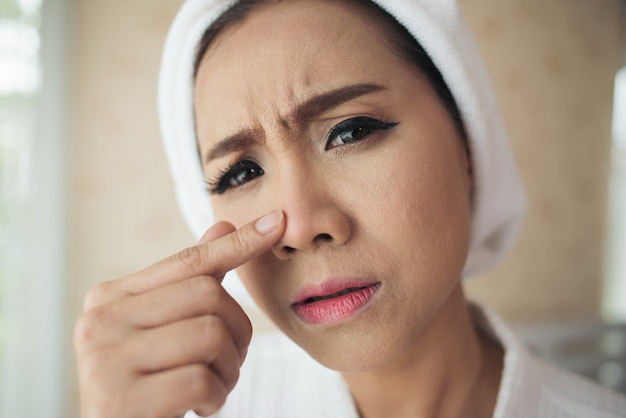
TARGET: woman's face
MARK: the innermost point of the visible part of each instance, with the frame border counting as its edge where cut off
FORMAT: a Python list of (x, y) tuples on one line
[(304, 107)]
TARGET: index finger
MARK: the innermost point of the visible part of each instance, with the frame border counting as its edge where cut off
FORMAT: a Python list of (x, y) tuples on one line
[(213, 258)]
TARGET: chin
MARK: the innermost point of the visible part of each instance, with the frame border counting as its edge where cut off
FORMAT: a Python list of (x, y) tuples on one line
[(350, 354), (357, 346)]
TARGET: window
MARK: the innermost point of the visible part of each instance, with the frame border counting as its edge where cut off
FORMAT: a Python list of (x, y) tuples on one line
[(615, 288), (31, 207)]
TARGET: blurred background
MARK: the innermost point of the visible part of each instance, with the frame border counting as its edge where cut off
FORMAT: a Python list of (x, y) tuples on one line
[(85, 193)]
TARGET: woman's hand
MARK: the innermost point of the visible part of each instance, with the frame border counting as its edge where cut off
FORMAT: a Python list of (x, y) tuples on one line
[(169, 338)]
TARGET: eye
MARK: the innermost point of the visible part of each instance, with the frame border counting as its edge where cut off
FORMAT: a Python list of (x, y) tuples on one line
[(236, 175), (355, 129)]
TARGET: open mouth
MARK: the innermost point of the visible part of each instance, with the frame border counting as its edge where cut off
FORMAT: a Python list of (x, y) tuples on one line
[(337, 306)]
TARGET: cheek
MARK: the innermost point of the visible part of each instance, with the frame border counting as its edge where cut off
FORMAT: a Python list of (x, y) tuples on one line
[(235, 213), (259, 278), (426, 206)]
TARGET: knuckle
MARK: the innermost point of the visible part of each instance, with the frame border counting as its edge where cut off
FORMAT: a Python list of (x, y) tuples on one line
[(189, 256), (199, 384), (82, 333), (212, 329), (240, 242), (233, 379), (206, 390), (215, 338), (96, 294), (206, 289), (212, 335), (89, 326)]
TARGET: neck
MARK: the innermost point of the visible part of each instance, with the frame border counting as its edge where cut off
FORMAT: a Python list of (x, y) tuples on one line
[(451, 371)]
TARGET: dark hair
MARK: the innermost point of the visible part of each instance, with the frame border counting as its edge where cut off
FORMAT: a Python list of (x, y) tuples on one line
[(407, 46)]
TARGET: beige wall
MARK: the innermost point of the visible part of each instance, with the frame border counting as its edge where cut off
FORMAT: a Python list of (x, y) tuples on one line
[(552, 63), (123, 215)]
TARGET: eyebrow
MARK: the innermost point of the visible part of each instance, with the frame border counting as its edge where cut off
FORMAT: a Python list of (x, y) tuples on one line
[(306, 110)]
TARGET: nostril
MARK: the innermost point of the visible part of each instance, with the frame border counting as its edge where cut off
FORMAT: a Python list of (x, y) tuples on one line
[(324, 237), (288, 250)]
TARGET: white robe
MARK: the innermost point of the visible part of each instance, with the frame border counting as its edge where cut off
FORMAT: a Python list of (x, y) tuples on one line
[(280, 380)]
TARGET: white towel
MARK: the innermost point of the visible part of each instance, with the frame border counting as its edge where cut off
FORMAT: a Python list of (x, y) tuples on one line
[(437, 25)]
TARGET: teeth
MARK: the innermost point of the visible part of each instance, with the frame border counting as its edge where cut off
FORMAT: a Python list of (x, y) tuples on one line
[(334, 295)]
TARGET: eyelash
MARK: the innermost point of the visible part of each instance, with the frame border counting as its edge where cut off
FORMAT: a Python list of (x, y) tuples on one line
[(221, 182), (363, 126)]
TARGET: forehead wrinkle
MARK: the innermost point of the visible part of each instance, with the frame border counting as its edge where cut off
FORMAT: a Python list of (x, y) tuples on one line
[(273, 107)]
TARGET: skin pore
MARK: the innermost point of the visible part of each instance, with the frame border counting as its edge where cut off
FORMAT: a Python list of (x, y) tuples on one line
[(305, 107)]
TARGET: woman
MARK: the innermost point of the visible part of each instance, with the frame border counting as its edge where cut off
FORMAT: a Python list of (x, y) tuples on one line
[(355, 183)]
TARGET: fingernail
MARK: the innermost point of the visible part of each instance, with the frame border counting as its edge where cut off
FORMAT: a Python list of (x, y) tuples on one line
[(267, 223)]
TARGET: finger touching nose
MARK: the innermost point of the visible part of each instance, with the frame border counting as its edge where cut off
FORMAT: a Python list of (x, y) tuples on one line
[(218, 252)]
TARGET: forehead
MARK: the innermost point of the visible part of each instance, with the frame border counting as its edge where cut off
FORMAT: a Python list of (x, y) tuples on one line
[(309, 23), (285, 52)]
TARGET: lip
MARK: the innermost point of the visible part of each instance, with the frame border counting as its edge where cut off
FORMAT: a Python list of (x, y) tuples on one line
[(334, 300)]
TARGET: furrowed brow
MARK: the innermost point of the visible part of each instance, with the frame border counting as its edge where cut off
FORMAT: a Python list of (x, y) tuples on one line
[(304, 111), (233, 143)]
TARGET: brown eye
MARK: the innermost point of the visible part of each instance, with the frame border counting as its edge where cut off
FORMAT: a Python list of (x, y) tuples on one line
[(354, 130), (237, 175)]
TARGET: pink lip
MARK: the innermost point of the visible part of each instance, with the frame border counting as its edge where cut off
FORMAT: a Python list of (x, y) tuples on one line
[(333, 300)]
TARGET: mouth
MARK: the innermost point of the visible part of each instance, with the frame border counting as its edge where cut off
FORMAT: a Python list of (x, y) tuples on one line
[(334, 302)]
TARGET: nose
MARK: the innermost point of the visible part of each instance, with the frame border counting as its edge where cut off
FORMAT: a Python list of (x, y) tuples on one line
[(313, 213)]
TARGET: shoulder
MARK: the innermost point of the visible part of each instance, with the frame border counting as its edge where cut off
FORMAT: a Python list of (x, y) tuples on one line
[(566, 394), (532, 387), (536, 388)]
